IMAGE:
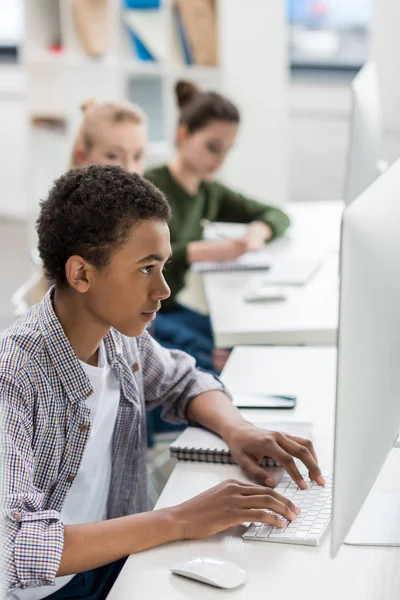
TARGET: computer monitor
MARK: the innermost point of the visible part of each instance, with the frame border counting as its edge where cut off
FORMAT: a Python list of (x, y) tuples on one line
[(364, 161), (368, 376)]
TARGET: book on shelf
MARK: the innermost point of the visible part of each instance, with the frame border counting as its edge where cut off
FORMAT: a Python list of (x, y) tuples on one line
[(148, 30), (197, 31), (91, 19), (181, 37)]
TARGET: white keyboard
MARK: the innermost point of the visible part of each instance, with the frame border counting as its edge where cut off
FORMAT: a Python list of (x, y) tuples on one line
[(308, 528)]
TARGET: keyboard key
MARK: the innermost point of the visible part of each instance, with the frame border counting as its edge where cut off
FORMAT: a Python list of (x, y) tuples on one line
[(277, 530), (316, 509), (251, 534), (264, 531)]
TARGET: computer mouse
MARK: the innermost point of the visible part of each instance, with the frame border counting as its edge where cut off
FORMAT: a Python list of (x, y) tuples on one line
[(214, 571), (264, 293)]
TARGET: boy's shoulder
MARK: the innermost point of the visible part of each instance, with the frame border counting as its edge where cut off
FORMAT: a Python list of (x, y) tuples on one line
[(23, 336), (20, 345)]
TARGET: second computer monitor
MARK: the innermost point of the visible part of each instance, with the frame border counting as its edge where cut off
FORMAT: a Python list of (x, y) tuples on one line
[(364, 161)]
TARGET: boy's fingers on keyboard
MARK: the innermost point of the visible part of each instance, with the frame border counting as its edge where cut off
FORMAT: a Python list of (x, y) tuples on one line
[(285, 459), (270, 503), (250, 466), (251, 489), (317, 476), (285, 500), (260, 516), (303, 453), (303, 442)]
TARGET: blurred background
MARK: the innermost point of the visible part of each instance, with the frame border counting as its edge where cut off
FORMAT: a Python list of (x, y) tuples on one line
[(288, 64)]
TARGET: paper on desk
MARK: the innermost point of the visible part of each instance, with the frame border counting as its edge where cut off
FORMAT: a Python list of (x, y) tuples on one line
[(294, 270), (220, 230), (247, 262)]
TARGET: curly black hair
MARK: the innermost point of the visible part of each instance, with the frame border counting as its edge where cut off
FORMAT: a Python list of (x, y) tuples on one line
[(90, 212)]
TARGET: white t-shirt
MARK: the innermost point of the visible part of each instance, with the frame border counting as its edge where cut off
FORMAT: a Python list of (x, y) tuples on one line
[(86, 500)]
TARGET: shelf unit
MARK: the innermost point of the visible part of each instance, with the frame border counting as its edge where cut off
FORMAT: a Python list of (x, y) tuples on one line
[(58, 81), (253, 74)]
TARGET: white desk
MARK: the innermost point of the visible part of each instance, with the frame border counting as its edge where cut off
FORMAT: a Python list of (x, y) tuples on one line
[(282, 572), (278, 571), (309, 315), (308, 373)]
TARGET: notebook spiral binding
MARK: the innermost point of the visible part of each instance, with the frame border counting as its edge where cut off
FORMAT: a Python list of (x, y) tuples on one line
[(211, 456)]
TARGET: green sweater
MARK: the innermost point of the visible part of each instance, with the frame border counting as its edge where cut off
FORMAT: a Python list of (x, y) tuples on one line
[(213, 202)]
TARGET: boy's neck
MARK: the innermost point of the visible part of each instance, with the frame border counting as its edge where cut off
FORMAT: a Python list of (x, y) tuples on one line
[(83, 332), (185, 176)]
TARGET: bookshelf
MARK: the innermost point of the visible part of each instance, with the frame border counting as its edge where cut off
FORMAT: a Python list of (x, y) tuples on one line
[(59, 79), (252, 69)]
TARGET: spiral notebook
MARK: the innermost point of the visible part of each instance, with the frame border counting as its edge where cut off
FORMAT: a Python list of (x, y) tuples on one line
[(200, 445), (251, 261)]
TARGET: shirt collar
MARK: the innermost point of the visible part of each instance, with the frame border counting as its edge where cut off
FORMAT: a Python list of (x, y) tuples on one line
[(64, 358)]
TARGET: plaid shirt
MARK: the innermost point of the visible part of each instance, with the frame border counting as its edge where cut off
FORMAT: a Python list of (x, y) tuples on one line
[(46, 425)]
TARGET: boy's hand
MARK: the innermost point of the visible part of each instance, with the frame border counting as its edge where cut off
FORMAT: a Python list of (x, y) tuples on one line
[(228, 504), (249, 445)]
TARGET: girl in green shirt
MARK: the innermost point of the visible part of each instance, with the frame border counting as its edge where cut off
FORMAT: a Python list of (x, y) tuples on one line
[(208, 126)]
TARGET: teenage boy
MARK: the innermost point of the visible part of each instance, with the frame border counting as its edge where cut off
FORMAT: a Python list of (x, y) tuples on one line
[(78, 372)]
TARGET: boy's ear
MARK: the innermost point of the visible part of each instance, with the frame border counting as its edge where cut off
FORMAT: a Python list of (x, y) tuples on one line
[(78, 273)]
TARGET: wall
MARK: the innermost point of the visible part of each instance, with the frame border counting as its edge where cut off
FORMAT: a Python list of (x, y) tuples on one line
[(13, 146), (257, 79)]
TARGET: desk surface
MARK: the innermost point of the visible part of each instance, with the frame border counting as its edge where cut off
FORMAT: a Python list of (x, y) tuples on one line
[(284, 572), (308, 373), (309, 315), (274, 571)]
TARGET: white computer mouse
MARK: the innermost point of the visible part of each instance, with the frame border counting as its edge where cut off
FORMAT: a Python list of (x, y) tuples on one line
[(264, 293), (214, 571)]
